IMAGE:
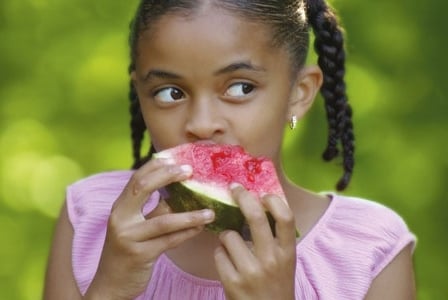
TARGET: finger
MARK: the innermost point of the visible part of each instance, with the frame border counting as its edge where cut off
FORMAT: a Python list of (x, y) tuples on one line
[(170, 223), (137, 179), (145, 181), (238, 251), (255, 215), (284, 220), (169, 241), (224, 266)]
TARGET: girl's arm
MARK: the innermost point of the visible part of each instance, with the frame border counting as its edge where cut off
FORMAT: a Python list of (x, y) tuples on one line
[(396, 281), (60, 282)]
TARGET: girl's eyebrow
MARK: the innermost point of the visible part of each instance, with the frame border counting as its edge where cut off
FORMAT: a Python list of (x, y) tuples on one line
[(243, 65), (160, 74)]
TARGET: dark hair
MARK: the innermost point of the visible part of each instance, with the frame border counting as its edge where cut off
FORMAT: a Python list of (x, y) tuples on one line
[(290, 21)]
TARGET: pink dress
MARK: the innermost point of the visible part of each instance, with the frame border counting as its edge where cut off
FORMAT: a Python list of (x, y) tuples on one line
[(338, 259)]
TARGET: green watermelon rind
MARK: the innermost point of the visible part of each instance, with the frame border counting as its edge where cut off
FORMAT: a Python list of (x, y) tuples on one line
[(227, 217)]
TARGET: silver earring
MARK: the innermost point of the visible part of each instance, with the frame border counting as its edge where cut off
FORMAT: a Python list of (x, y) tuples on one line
[(293, 122)]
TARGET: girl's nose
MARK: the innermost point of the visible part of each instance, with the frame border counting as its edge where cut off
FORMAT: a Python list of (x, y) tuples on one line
[(204, 121)]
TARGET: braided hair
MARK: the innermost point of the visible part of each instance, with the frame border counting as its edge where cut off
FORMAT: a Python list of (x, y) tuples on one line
[(329, 45), (291, 21)]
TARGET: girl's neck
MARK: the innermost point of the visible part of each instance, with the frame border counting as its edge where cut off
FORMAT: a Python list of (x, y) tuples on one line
[(195, 256)]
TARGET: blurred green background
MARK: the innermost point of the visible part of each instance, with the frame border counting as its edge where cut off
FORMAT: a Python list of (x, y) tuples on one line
[(64, 115)]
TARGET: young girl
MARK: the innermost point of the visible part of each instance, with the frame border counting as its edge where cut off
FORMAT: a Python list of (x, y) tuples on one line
[(228, 72)]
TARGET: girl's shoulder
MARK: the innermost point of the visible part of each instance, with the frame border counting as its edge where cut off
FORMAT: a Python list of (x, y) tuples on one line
[(102, 180), (350, 244), (354, 214), (95, 194), (354, 229), (359, 219)]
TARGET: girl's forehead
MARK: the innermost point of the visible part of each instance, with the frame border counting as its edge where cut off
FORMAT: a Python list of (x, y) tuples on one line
[(198, 45), (216, 18)]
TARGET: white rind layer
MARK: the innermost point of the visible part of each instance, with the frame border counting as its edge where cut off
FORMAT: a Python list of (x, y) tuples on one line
[(212, 191)]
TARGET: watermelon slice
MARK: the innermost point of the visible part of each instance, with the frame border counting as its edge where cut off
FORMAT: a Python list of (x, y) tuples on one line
[(215, 167)]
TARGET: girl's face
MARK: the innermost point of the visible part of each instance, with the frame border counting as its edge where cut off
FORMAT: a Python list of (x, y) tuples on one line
[(213, 77)]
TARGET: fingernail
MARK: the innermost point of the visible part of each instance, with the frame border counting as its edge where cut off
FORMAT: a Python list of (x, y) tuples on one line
[(187, 169), (223, 234), (168, 161), (235, 185), (208, 214)]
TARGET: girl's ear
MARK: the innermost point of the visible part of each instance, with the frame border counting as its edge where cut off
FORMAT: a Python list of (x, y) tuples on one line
[(304, 91)]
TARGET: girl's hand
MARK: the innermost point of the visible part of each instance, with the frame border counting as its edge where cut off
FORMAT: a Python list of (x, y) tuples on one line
[(134, 241), (267, 271)]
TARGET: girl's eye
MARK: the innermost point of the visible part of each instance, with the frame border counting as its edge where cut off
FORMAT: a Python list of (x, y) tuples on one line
[(169, 94), (239, 89)]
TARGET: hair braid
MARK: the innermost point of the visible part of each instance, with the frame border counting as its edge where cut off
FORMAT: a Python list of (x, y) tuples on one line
[(138, 126), (348, 144), (329, 45)]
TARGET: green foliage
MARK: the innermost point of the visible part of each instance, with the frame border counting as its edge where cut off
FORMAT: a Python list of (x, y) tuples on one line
[(64, 115)]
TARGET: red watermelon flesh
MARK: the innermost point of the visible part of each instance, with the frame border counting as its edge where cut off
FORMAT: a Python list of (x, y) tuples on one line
[(220, 165), (215, 167)]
